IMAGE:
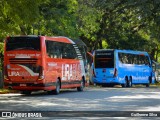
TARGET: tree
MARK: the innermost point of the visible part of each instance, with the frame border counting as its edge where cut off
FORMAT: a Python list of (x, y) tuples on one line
[(59, 18), (18, 16), (126, 24), (117, 24)]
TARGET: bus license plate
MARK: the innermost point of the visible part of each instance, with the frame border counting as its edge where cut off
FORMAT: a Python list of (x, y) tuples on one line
[(22, 84)]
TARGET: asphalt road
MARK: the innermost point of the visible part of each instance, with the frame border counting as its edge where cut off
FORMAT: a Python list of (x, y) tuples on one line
[(96, 99)]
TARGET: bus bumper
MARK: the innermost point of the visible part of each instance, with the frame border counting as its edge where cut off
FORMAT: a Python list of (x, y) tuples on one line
[(29, 86), (112, 80)]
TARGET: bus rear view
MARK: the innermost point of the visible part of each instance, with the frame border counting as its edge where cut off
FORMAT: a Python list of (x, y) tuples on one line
[(22, 62), (46, 63), (104, 71)]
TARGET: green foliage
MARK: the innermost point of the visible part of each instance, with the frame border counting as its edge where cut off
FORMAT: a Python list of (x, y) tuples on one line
[(87, 17), (1, 55), (1, 48), (17, 16), (119, 24), (59, 18), (128, 25)]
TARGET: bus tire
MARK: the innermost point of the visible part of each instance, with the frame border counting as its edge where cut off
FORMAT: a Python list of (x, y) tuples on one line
[(104, 85), (149, 81), (125, 83), (57, 90), (147, 85), (26, 92), (130, 82), (82, 85)]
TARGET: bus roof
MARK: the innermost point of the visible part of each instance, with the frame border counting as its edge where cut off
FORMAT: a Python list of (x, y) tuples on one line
[(54, 38), (79, 42), (124, 51), (132, 51)]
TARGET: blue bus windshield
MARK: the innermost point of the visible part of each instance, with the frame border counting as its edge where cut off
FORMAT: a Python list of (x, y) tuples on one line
[(104, 59)]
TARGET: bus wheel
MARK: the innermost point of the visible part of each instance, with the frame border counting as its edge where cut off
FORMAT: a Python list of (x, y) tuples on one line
[(149, 81), (125, 84), (57, 90), (26, 92), (130, 82), (82, 86), (147, 85)]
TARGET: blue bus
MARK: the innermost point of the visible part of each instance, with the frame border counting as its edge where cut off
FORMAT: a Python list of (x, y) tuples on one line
[(123, 67)]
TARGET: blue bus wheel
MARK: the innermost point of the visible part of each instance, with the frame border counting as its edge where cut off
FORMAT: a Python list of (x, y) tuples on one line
[(147, 85), (149, 81), (129, 83), (125, 84)]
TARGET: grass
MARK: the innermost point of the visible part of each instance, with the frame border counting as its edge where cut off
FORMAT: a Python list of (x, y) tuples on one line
[(5, 91), (157, 84)]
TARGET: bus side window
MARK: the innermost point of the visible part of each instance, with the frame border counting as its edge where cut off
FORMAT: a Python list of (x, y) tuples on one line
[(64, 52), (48, 49), (68, 51), (135, 60), (73, 52), (125, 59), (120, 57), (130, 59), (53, 49), (147, 61), (56, 49)]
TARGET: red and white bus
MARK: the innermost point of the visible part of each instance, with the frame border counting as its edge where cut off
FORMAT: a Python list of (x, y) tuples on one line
[(34, 63)]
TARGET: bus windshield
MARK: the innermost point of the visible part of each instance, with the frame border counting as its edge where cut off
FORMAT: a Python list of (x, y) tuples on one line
[(17, 43), (104, 59)]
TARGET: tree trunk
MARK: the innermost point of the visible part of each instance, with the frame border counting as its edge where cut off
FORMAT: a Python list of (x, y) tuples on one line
[(23, 30), (153, 53), (100, 44)]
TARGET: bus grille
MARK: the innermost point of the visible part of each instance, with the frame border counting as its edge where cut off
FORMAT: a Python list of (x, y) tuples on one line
[(23, 60)]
